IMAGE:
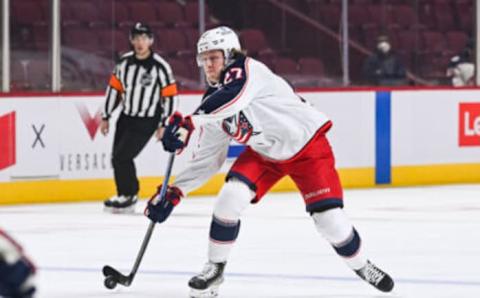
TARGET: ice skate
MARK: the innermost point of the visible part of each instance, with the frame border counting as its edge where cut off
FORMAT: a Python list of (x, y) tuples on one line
[(206, 284), (121, 204), (376, 277)]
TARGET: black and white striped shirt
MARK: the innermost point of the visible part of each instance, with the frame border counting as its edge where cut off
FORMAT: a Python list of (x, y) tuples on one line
[(144, 88)]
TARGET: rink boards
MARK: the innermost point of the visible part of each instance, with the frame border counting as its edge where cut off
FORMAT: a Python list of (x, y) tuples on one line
[(51, 148)]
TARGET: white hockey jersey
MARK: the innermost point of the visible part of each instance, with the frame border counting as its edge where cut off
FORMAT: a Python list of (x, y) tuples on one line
[(252, 106)]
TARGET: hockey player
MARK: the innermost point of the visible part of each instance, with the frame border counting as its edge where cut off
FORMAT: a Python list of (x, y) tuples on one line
[(16, 271), (143, 83), (284, 135)]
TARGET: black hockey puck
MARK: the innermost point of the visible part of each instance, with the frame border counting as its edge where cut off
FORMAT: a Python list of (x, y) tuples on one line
[(110, 282)]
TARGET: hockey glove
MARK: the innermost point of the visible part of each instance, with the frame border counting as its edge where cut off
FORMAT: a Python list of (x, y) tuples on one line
[(159, 209), (16, 271), (177, 133), (15, 280)]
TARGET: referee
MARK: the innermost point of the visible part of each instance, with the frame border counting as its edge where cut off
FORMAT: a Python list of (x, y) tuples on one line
[(143, 84)]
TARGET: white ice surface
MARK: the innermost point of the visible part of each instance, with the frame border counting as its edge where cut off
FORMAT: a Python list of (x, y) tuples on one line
[(427, 238)]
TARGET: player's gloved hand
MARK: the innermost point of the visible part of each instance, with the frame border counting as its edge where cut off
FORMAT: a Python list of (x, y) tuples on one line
[(177, 133), (16, 279), (159, 209), (16, 271)]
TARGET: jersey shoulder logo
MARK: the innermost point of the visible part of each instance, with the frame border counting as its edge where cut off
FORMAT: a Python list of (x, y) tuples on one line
[(239, 128)]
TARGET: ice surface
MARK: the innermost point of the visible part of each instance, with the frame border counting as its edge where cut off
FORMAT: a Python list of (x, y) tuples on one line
[(428, 239)]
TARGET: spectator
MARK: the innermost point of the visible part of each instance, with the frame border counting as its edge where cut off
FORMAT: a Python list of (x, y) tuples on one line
[(461, 68), (383, 68)]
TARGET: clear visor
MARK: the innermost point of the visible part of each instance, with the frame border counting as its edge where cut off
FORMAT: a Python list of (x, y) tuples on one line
[(206, 57)]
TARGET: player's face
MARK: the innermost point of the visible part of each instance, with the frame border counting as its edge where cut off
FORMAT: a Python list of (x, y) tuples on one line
[(141, 44), (213, 63)]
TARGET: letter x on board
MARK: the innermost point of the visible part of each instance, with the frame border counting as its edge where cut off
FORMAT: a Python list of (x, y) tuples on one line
[(38, 135)]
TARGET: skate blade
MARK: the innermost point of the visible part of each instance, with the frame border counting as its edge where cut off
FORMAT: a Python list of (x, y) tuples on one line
[(211, 292), (114, 210)]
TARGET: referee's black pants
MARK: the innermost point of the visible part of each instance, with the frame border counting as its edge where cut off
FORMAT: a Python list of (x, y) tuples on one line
[(131, 136)]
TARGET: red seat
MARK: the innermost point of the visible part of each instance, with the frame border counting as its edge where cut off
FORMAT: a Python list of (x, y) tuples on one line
[(426, 15), (466, 21), (45, 8), (180, 69), (358, 15), (463, 9), (192, 35), (143, 12), (303, 6), (408, 39), (433, 42), (171, 41), (444, 16), (169, 12), (105, 36), (359, 22), (433, 66), (191, 12), (67, 14), (405, 16), (41, 34), (116, 12), (437, 14), (370, 35), (330, 15), (433, 2), (406, 57), (362, 2), (285, 66), (381, 15), (27, 13), (311, 66), (80, 39), (121, 43), (456, 40), (84, 12), (268, 58), (253, 40)]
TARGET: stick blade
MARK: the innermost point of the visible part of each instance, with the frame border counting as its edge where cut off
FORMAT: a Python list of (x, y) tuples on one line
[(114, 273)]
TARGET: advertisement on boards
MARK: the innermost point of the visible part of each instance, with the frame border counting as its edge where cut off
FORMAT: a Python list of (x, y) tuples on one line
[(469, 124)]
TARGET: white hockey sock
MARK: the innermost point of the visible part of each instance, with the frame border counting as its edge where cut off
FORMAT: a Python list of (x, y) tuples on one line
[(219, 252), (234, 197), (334, 225)]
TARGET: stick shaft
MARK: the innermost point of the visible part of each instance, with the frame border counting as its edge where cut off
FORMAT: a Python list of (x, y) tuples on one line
[(151, 226)]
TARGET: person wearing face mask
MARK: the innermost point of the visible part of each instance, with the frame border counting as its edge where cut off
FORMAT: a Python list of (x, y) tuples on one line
[(461, 69), (383, 67), (142, 83)]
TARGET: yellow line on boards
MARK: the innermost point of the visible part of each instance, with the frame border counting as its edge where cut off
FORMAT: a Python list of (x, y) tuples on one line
[(52, 191), (435, 174)]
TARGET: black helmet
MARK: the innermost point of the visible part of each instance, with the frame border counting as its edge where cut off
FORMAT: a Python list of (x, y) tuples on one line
[(140, 28)]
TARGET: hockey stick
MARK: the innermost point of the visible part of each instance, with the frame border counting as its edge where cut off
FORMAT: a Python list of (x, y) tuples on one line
[(113, 276)]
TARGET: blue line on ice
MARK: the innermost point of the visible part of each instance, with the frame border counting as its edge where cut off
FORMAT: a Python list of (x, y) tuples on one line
[(274, 276)]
